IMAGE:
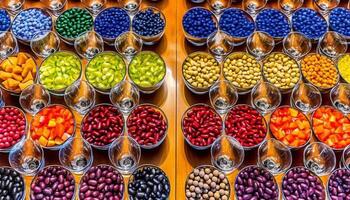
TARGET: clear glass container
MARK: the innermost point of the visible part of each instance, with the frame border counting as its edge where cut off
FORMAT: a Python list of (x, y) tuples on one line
[(131, 6), (260, 44), (253, 6), (88, 44), (340, 97), (325, 6), (34, 98), (289, 6), (223, 96), (45, 43), (27, 157), (265, 97), (274, 156), (8, 44), (13, 6), (219, 45), (305, 97), (345, 159), (125, 96), (319, 158), (2, 101), (56, 7), (94, 6), (128, 44), (217, 6), (296, 45), (332, 44)]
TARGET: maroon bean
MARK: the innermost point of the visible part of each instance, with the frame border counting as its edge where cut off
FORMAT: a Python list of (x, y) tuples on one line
[(147, 125), (12, 129), (102, 125)]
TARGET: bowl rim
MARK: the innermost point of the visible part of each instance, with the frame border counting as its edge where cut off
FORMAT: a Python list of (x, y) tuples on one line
[(22, 178)]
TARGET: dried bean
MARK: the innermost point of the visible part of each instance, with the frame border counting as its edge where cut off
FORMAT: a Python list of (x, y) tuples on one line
[(11, 184), (339, 185)]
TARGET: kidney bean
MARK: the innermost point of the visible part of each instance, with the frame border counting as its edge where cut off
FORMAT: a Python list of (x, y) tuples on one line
[(11, 184), (254, 182), (53, 182), (147, 125), (102, 125), (201, 125), (246, 125), (148, 182), (12, 126), (301, 183), (339, 185), (92, 181)]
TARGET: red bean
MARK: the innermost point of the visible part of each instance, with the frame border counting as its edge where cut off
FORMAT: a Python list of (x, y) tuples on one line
[(246, 125), (12, 127), (147, 125), (102, 125), (201, 125)]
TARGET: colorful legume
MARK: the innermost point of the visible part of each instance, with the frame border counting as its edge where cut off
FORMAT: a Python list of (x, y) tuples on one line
[(112, 22), (30, 21), (101, 182), (148, 22), (12, 126), (242, 70), (60, 70), (254, 183), (147, 69), (281, 70), (339, 185), (199, 22), (17, 72), (290, 126), (331, 127), (53, 182), (246, 125), (236, 23), (148, 182), (301, 183), (5, 20), (105, 70), (12, 184), (201, 70), (344, 67), (52, 126), (309, 22), (273, 22), (339, 21), (201, 125), (319, 70), (74, 22), (102, 125), (147, 125), (207, 182)]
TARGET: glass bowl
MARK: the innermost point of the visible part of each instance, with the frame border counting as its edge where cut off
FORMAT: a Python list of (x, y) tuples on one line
[(60, 92), (23, 197)]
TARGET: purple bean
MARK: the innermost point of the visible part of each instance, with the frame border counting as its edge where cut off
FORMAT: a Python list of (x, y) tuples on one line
[(339, 184)]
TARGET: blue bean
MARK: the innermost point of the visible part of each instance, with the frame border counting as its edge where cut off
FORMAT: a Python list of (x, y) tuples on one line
[(273, 22)]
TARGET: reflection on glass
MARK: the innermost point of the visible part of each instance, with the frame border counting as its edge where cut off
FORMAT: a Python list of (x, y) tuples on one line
[(297, 45), (265, 97), (219, 45), (8, 44), (45, 43), (253, 6), (34, 98), (340, 97), (56, 7), (128, 44), (289, 6), (306, 97), (332, 44), (80, 96), (223, 95), (319, 158), (125, 96), (89, 44), (260, 44)]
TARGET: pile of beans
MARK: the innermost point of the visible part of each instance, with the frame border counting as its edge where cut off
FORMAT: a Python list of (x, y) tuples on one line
[(147, 69), (206, 182), (11, 184), (74, 22), (105, 70), (201, 125), (101, 182), (102, 125), (343, 67), (273, 22), (246, 125), (301, 183), (339, 185), (201, 70), (147, 125), (290, 126), (53, 182), (5, 20), (148, 182), (309, 22), (242, 70), (236, 23), (255, 183), (12, 126), (199, 22), (281, 70), (319, 70), (30, 21), (112, 22), (339, 21), (60, 70), (148, 23)]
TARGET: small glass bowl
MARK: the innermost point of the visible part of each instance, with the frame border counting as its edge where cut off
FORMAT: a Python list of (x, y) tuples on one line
[(70, 41), (296, 45), (150, 40), (105, 91), (23, 197), (34, 76), (197, 41), (183, 130), (340, 97), (260, 44), (105, 147), (25, 130), (193, 89), (61, 91), (45, 12), (164, 117), (9, 44), (57, 147), (148, 90), (13, 6)]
